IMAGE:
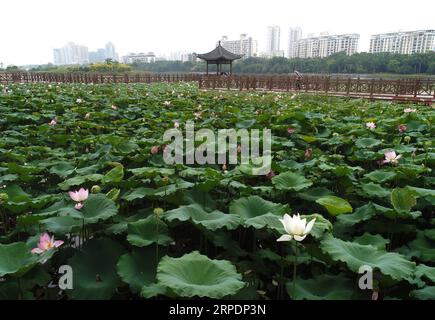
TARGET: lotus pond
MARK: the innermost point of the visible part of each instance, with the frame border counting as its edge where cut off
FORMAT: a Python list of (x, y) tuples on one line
[(89, 209)]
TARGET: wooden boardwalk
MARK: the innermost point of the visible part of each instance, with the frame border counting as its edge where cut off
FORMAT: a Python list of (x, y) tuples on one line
[(400, 90)]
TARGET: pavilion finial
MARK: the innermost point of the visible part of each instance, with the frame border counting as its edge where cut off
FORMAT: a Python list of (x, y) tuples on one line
[(219, 42)]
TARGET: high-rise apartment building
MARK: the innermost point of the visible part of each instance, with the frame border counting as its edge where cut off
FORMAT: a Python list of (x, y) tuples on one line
[(294, 35), (71, 54), (110, 51), (245, 46), (419, 41), (273, 40), (324, 46)]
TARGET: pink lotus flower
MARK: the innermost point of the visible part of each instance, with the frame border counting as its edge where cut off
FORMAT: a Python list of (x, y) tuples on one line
[(46, 243), (402, 128), (371, 125), (154, 149), (167, 103), (114, 107), (87, 115), (290, 130), (78, 206), (391, 157), (239, 148), (176, 125), (79, 196), (52, 122), (79, 100), (409, 110)]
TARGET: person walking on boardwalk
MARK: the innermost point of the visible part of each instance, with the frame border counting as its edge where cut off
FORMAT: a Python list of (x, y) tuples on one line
[(298, 80)]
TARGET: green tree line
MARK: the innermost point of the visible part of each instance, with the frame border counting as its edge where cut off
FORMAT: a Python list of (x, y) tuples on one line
[(360, 63)]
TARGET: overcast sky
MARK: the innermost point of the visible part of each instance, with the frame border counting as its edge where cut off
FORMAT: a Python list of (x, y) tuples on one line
[(32, 28)]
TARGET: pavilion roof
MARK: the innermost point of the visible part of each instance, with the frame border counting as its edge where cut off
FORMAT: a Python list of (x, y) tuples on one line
[(219, 54)]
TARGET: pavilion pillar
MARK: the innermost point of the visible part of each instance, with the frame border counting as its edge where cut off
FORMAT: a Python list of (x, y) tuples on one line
[(207, 68), (231, 67)]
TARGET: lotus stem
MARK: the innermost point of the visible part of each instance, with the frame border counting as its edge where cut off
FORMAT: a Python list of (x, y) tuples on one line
[(281, 281), (157, 244), (20, 290), (295, 262)]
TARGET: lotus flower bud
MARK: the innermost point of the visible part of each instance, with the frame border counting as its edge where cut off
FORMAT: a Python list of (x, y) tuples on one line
[(158, 212), (96, 189), (165, 179), (407, 139), (3, 197)]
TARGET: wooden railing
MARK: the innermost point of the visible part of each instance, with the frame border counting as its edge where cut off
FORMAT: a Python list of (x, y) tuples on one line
[(391, 89), (95, 78), (331, 85)]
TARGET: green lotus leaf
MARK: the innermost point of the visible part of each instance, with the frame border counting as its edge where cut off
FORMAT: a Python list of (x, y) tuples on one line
[(427, 293), (80, 180), (422, 192), (98, 208), (94, 267), (148, 231), (376, 241), (138, 268), (113, 176), (322, 287), (403, 200), (422, 248), (210, 220), (151, 172), (363, 213), (367, 143), (291, 181), (257, 212), (138, 193), (16, 259), (380, 176), (113, 194), (196, 275), (430, 233), (18, 200), (375, 190), (152, 290), (62, 169), (335, 205), (426, 271), (13, 290), (356, 255), (61, 225), (314, 194)]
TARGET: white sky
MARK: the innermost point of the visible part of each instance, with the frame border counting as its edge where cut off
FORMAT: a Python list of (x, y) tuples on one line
[(30, 29)]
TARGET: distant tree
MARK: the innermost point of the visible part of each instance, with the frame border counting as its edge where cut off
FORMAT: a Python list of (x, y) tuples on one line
[(110, 65)]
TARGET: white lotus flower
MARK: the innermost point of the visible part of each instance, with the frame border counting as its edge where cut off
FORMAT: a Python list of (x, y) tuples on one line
[(370, 125), (295, 227), (391, 157), (409, 110)]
